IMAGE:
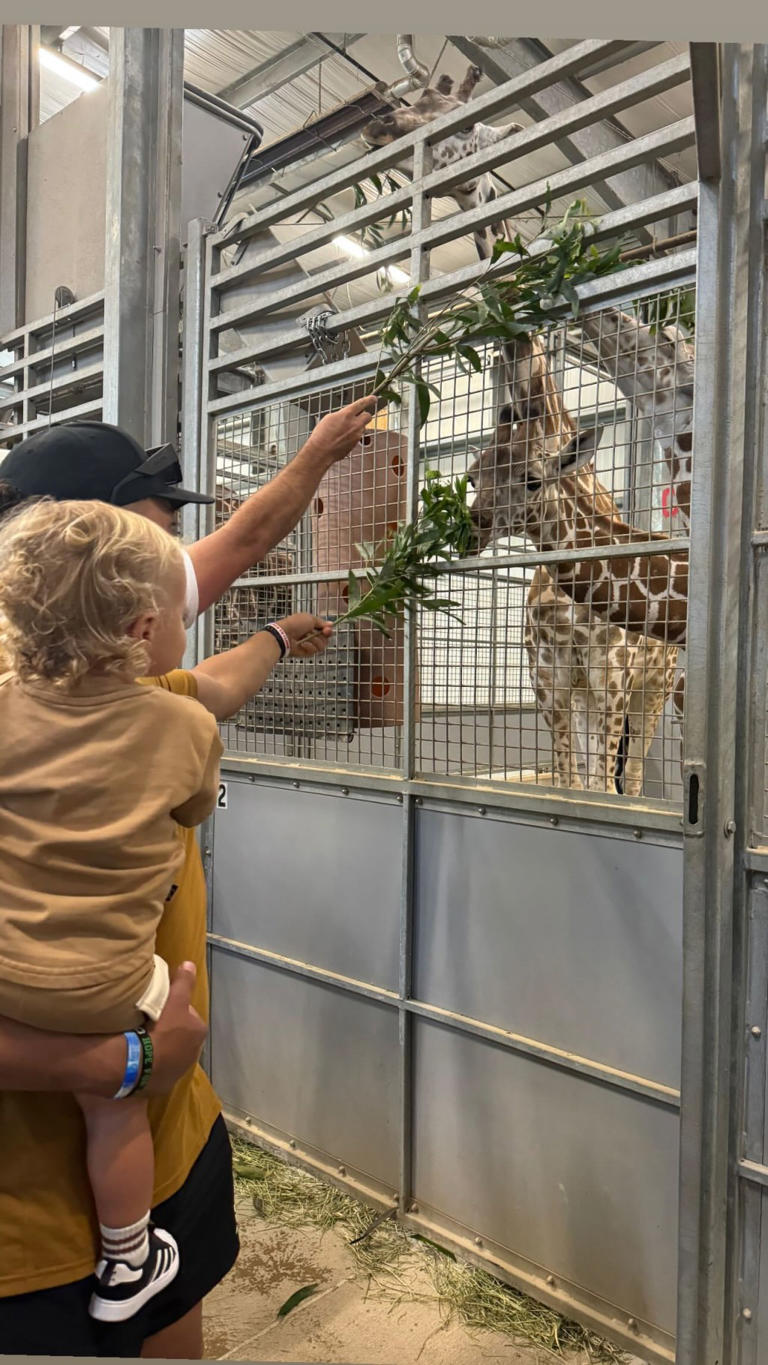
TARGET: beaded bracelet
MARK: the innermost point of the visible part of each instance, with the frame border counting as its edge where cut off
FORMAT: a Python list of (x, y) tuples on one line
[(132, 1064), (282, 639)]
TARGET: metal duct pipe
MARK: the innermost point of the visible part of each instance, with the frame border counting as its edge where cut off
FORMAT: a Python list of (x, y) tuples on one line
[(418, 74)]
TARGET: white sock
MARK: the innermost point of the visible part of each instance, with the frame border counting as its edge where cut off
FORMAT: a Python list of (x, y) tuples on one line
[(129, 1244)]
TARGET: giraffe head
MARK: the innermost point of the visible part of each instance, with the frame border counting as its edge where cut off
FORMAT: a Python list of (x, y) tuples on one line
[(432, 102), (522, 489)]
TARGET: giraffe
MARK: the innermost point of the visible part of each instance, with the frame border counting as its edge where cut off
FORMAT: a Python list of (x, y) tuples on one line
[(432, 102), (542, 500), (590, 677), (656, 372)]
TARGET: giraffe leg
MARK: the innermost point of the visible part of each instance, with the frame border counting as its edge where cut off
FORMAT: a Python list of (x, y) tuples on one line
[(652, 681), (551, 679), (608, 652)]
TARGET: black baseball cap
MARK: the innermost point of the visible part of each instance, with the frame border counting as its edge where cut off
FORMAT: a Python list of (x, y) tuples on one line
[(93, 460)]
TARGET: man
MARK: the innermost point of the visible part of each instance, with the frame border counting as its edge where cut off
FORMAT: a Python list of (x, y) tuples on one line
[(95, 460), (47, 1231)]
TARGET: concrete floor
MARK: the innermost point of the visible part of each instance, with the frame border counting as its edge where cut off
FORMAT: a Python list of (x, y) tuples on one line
[(345, 1322)]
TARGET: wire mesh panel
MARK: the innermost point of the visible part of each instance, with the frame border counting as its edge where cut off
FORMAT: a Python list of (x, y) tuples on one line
[(347, 704), (520, 683)]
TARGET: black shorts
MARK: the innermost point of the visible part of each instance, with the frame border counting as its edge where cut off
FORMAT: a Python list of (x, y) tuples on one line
[(201, 1216)]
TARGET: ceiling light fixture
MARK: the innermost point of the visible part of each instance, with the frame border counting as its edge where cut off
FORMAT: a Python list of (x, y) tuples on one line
[(352, 248), (69, 71)]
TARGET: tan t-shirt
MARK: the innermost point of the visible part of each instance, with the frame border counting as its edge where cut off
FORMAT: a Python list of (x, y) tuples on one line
[(94, 785), (48, 1227)]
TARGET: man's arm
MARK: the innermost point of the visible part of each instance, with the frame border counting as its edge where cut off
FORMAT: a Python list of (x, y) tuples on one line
[(31, 1059), (226, 681), (269, 515)]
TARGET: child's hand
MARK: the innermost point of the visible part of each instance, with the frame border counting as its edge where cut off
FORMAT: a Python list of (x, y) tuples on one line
[(308, 634)]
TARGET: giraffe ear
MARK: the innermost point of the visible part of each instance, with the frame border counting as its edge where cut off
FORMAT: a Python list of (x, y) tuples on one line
[(580, 450)]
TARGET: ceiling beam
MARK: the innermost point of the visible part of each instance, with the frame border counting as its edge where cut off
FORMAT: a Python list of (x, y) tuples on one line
[(295, 60), (520, 55)]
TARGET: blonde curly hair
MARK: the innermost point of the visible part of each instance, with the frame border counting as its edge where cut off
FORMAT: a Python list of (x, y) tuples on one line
[(74, 576)]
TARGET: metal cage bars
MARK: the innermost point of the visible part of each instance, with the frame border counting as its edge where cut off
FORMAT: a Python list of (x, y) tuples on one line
[(674, 270)]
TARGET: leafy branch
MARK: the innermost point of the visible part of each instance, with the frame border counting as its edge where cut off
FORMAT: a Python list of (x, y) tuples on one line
[(677, 307), (547, 272), (413, 557)]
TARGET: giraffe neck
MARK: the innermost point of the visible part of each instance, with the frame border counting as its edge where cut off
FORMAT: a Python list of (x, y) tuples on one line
[(580, 516)]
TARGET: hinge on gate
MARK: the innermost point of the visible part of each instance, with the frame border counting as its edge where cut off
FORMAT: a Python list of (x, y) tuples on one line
[(693, 799)]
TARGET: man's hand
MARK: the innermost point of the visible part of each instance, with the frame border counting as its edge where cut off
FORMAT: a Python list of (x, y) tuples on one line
[(308, 634), (338, 433), (178, 1035)]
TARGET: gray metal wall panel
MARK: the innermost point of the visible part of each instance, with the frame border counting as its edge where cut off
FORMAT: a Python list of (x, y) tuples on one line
[(570, 939), (574, 1176), (312, 876), (318, 1064)]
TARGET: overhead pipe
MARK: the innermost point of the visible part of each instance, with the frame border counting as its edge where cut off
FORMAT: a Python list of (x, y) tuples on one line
[(418, 73)]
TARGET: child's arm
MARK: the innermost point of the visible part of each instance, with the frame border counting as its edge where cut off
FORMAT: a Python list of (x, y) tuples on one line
[(226, 681)]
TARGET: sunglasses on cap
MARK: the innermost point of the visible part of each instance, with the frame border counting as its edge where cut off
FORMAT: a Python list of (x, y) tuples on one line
[(159, 459)]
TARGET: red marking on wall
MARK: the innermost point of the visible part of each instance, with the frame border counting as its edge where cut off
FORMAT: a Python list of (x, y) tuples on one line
[(669, 507)]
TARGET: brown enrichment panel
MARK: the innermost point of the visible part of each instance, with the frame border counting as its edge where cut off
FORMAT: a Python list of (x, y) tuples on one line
[(362, 500)]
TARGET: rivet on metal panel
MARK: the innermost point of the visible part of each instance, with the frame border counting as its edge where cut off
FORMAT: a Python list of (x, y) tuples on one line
[(296, 785), (638, 833), (342, 1170), (345, 791), (399, 798), (478, 1241), (419, 801), (550, 1279), (292, 1143), (746, 1313), (554, 820), (481, 810), (756, 1032), (207, 852), (252, 777), (729, 828), (632, 1324), (413, 1208)]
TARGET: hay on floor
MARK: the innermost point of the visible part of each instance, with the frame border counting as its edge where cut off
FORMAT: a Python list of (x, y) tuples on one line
[(392, 1258)]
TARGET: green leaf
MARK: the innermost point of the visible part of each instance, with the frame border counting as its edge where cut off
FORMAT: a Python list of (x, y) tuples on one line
[(353, 589), (424, 400), (296, 1299)]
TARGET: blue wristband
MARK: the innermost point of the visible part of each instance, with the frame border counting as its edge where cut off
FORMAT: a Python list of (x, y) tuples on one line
[(132, 1066)]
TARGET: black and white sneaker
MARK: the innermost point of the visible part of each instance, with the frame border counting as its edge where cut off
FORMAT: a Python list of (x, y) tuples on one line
[(123, 1289)]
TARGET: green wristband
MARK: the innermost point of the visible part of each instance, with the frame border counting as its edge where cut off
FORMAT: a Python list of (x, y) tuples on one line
[(148, 1056)]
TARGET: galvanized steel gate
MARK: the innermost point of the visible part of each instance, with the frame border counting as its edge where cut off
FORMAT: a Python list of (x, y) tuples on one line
[(435, 978)]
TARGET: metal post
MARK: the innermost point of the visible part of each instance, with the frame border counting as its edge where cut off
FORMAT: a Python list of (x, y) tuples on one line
[(419, 271), (19, 105), (141, 305), (192, 442), (729, 266)]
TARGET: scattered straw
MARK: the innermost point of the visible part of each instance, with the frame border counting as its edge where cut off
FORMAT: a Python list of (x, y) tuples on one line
[(404, 1268)]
